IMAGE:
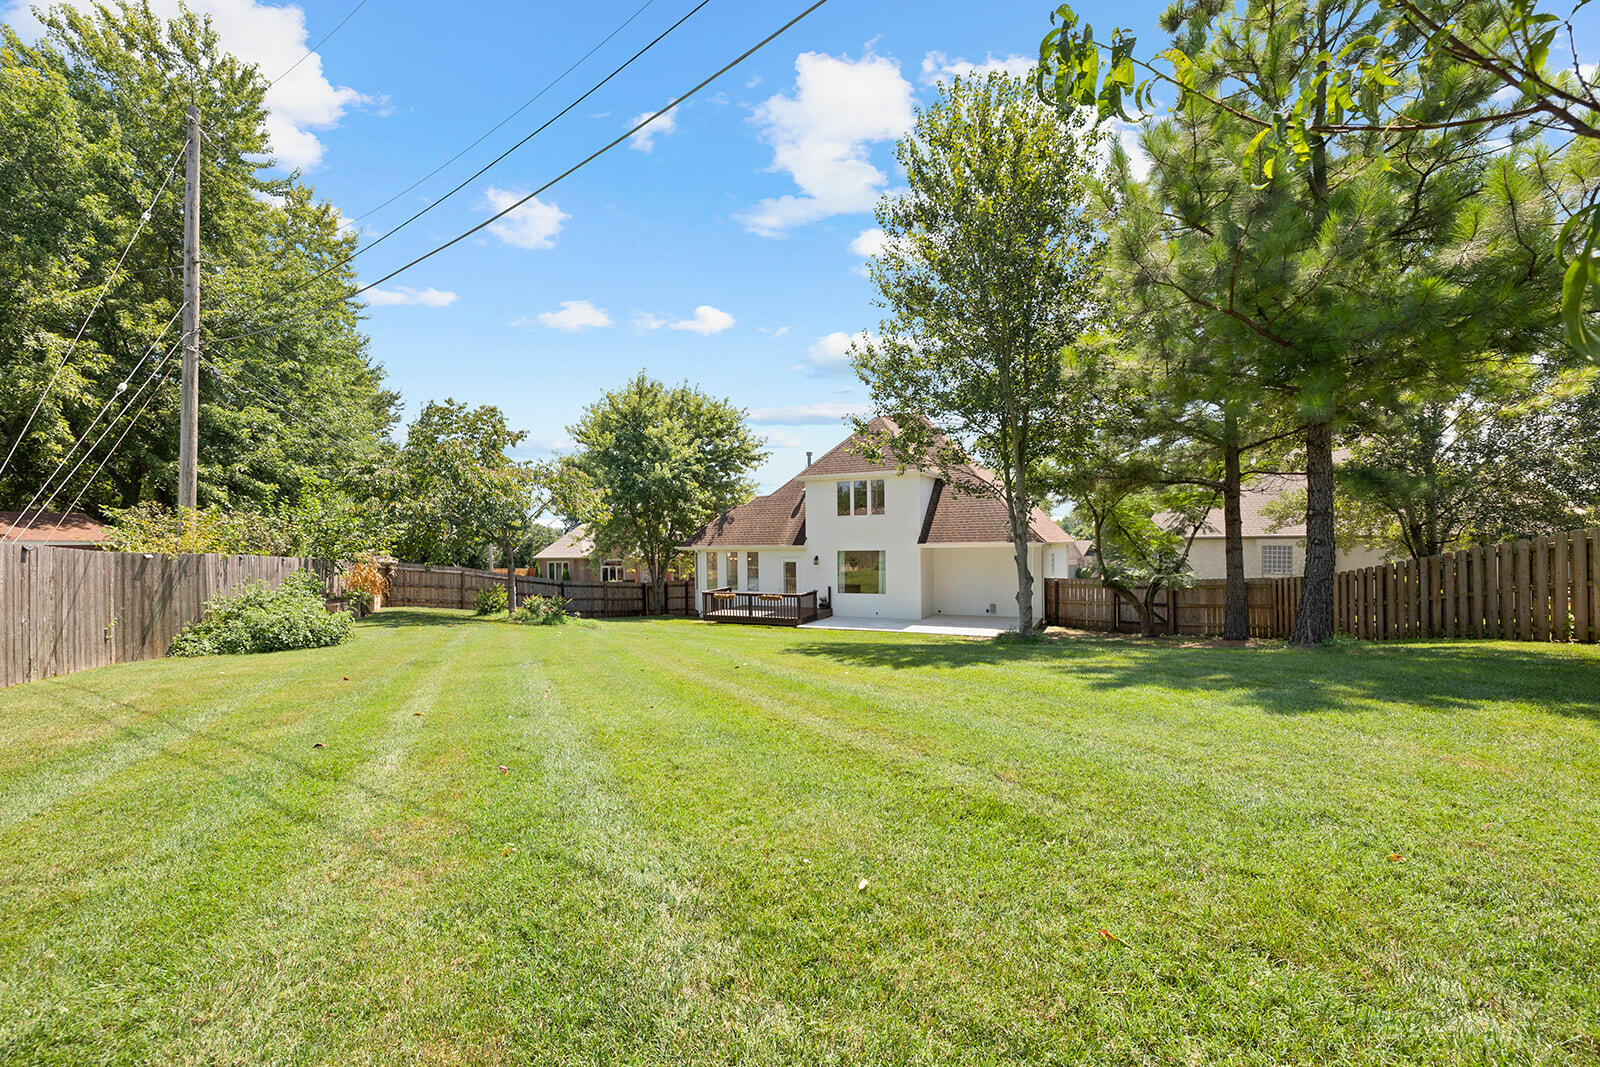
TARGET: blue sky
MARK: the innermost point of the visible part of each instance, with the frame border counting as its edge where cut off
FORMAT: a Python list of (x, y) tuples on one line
[(727, 250)]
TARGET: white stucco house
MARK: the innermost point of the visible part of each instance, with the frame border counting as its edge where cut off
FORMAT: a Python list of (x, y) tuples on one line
[(873, 542)]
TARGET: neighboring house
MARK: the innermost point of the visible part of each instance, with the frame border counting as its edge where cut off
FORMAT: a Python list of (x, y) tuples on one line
[(57, 529), (570, 558), (1268, 552), (879, 543)]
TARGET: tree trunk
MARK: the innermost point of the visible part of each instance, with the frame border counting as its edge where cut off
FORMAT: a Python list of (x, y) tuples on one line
[(1236, 613), (1313, 623), (658, 586), (1019, 551), (511, 576)]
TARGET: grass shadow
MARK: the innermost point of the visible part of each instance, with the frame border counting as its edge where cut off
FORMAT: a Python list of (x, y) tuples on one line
[(395, 618), (1442, 676)]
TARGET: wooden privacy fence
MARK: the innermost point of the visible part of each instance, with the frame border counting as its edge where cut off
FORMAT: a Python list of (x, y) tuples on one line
[(416, 585), (1085, 604), (1537, 589), (69, 609)]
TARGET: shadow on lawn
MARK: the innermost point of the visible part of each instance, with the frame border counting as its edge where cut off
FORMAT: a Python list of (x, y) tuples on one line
[(1281, 680), (395, 618)]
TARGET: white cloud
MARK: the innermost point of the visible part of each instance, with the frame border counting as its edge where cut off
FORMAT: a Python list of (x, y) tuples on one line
[(403, 295), (936, 66), (1138, 161), (868, 242), (534, 225), (821, 136), (805, 414), (574, 315), (645, 139), (779, 439), (273, 38), (706, 320), (773, 333), (830, 354)]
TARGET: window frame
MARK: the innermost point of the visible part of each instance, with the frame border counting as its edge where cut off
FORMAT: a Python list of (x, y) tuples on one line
[(859, 497), (1280, 551), (791, 576), (841, 497), (875, 496), (711, 571), (612, 570), (733, 570), (882, 571), (752, 570)]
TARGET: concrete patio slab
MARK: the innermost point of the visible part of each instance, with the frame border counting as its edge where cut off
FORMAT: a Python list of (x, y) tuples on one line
[(950, 625)]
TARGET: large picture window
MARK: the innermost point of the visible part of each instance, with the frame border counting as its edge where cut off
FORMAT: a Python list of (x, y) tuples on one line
[(861, 572)]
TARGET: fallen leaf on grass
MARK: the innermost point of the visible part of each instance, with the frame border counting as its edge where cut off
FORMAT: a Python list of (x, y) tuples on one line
[(418, 714), (508, 850), (347, 677), (319, 744), (504, 769), (1395, 857), (861, 886), (1109, 936)]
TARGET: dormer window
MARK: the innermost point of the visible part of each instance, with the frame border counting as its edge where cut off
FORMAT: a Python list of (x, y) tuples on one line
[(860, 497)]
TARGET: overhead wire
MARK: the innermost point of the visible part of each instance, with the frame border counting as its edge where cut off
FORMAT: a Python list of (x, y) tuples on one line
[(475, 175), (144, 220), (319, 44), (553, 181), (90, 450), (83, 434), (520, 109)]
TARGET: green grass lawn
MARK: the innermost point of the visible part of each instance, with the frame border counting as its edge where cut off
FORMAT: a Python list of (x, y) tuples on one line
[(645, 842)]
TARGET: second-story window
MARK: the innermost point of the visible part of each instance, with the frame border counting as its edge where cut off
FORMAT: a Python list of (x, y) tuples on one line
[(842, 491), (876, 487), (861, 496)]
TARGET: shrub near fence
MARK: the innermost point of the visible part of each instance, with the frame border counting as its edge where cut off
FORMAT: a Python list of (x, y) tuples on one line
[(69, 609), (1537, 589), (415, 585)]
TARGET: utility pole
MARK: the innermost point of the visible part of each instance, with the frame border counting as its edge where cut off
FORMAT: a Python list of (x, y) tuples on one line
[(189, 426)]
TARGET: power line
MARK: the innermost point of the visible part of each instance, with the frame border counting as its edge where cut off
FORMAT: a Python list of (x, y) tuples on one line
[(524, 106), (144, 220), (369, 246), (114, 446), (774, 35), (122, 387), (90, 451), (318, 45)]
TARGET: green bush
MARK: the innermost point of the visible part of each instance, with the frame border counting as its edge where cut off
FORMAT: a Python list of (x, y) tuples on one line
[(489, 599), (541, 611), (257, 618)]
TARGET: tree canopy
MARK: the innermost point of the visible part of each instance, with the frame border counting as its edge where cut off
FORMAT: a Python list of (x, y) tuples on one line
[(663, 461), (91, 128)]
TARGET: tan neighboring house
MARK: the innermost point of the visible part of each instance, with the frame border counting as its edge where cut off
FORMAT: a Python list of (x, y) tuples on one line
[(570, 558), (56, 529), (1268, 552)]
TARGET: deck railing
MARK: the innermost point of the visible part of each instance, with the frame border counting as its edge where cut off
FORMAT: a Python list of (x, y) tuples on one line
[(770, 609)]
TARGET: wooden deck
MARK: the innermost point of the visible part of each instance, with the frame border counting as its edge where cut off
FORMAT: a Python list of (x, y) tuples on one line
[(761, 609)]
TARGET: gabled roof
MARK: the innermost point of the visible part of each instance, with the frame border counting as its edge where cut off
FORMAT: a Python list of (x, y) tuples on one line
[(52, 527), (953, 517), (846, 457), (956, 518), (779, 518), (1254, 498), (574, 544)]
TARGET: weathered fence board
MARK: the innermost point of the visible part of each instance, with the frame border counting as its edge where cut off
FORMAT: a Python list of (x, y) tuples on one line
[(1545, 588), (416, 585), (67, 610)]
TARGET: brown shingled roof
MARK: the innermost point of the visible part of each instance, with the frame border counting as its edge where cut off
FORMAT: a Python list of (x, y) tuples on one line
[(574, 544), (846, 457), (955, 518), (779, 518), (52, 527)]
